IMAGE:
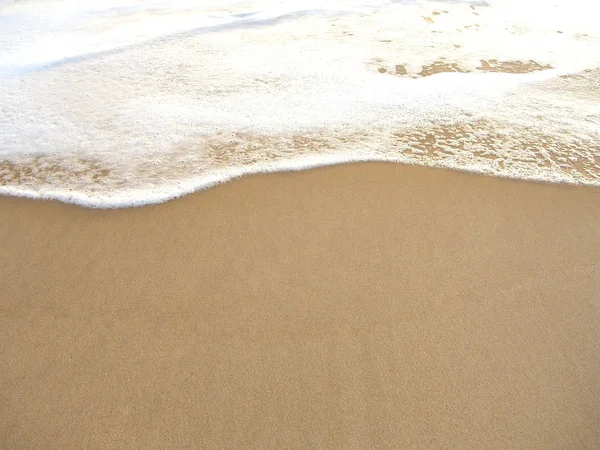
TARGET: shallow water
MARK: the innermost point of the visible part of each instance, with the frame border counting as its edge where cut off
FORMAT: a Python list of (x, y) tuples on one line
[(134, 102)]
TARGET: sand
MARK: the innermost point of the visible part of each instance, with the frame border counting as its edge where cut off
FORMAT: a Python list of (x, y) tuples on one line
[(358, 306)]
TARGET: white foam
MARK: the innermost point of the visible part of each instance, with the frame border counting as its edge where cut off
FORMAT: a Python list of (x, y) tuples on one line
[(41, 34), (131, 102)]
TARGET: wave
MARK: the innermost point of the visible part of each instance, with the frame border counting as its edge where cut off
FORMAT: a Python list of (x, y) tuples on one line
[(135, 102), (47, 35)]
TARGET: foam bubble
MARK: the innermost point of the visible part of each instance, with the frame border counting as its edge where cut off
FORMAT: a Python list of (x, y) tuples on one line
[(139, 102)]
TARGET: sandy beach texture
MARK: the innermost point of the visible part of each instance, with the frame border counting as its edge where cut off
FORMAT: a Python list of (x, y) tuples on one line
[(358, 306)]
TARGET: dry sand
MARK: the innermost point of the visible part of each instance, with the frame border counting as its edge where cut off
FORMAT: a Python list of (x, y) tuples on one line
[(359, 306)]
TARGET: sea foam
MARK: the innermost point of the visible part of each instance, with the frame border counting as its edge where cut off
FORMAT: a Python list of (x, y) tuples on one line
[(132, 102)]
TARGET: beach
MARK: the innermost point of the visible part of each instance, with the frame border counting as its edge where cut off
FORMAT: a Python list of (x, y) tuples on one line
[(278, 224), (358, 306)]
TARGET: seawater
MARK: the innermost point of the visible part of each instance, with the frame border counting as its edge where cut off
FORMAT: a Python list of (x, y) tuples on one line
[(123, 102)]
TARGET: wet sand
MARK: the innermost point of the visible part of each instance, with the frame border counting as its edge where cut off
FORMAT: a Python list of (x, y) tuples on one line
[(358, 306)]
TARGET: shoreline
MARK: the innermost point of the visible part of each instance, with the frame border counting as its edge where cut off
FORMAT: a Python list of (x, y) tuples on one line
[(292, 166), (357, 305)]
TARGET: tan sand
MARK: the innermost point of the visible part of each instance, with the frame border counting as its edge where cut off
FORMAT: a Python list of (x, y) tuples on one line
[(361, 306)]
